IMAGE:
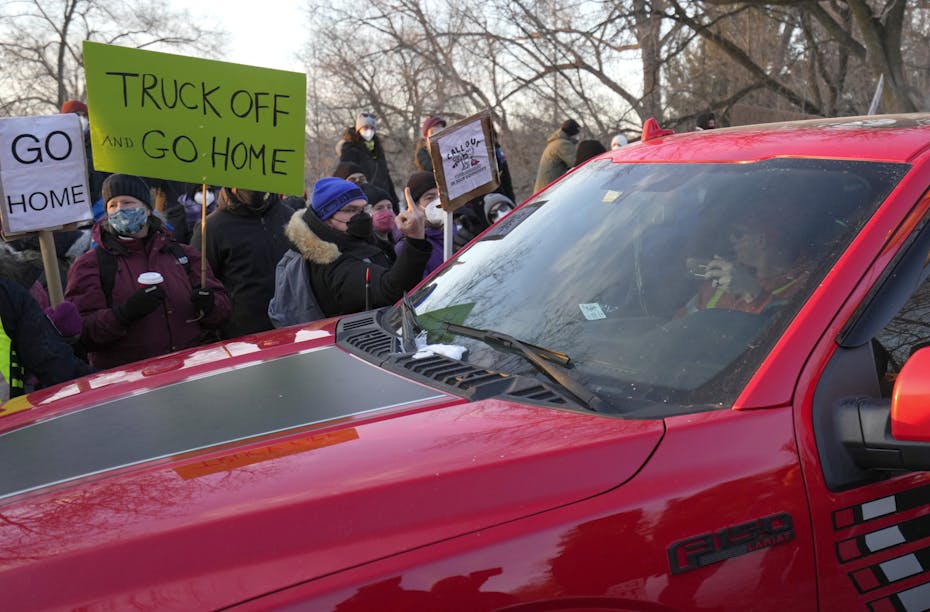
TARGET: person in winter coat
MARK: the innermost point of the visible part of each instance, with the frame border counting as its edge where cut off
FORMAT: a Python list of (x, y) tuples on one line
[(244, 242), (559, 155), (180, 205), (362, 146), (95, 178), (382, 219), (351, 172), (425, 195), (706, 121), (503, 167), (21, 261), (122, 320), (31, 346), (478, 215), (421, 157), (587, 149), (333, 267)]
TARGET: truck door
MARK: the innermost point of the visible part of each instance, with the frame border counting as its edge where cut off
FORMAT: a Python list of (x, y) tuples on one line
[(871, 524)]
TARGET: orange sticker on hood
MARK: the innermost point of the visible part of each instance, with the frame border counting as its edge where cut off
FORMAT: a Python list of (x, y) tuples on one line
[(265, 453)]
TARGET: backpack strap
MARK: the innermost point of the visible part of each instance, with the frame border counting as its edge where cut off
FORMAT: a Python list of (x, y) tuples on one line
[(180, 255), (106, 264)]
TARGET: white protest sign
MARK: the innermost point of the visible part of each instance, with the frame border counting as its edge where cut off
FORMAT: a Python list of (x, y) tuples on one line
[(464, 161), (43, 173)]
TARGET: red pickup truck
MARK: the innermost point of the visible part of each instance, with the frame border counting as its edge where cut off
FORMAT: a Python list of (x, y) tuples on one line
[(690, 374)]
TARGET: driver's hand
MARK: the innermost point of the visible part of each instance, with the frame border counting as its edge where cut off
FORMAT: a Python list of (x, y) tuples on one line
[(735, 278), (719, 271)]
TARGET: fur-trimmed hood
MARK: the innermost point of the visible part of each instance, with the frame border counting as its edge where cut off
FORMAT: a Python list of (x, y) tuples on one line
[(341, 273), (308, 242), (24, 267)]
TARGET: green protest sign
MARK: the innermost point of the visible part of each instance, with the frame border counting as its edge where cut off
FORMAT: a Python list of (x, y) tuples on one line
[(194, 120)]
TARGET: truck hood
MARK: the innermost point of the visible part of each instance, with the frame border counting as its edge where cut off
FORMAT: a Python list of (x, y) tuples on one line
[(269, 473)]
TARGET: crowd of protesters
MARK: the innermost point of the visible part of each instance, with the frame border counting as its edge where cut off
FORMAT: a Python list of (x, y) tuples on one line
[(168, 266)]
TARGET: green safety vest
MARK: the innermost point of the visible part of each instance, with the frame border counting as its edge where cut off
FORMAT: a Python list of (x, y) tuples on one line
[(10, 368)]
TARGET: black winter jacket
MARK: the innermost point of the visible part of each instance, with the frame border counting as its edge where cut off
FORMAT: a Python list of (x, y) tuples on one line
[(40, 349), (243, 246), (373, 163), (338, 264)]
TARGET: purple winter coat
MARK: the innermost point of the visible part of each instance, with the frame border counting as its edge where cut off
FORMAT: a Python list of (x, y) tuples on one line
[(162, 331), (433, 235)]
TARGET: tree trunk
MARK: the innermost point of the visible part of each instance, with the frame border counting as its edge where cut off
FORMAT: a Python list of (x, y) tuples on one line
[(648, 33)]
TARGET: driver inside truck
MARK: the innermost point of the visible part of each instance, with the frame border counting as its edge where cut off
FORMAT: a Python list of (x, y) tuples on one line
[(763, 267)]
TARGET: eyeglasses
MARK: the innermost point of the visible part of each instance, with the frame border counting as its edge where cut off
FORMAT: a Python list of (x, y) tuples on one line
[(352, 210), (383, 205)]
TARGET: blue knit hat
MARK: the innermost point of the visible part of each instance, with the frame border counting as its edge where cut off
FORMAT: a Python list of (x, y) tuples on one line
[(330, 194)]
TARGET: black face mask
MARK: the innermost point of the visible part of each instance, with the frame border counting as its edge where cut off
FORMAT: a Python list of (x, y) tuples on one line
[(359, 226)]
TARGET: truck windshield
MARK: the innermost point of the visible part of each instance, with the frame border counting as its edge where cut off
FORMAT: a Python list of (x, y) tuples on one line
[(665, 284)]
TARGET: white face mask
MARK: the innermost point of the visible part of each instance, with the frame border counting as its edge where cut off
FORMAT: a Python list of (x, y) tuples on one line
[(435, 216), (497, 213), (367, 133)]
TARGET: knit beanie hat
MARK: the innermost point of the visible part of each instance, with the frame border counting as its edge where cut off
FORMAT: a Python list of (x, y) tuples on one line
[(419, 183), (571, 127), (126, 185), (364, 120), (432, 122), (330, 194), (374, 193), (346, 169), (74, 106)]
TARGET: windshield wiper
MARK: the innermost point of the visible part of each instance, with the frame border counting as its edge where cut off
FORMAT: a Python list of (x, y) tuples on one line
[(554, 364), (409, 325)]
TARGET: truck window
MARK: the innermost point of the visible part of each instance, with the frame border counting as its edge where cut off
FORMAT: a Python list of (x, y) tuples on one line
[(906, 332)]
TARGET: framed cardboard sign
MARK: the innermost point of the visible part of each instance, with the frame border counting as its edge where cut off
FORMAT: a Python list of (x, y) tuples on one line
[(464, 161), (43, 174)]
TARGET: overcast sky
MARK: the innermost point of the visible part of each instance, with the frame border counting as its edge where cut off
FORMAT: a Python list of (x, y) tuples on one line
[(266, 33)]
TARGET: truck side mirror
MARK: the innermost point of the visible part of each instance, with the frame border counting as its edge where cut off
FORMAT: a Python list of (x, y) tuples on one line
[(891, 435), (910, 401)]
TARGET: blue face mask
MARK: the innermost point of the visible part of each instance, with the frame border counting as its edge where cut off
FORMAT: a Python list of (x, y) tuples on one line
[(128, 221)]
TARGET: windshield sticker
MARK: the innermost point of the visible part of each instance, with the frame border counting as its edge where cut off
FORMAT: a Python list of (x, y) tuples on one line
[(610, 196), (592, 312)]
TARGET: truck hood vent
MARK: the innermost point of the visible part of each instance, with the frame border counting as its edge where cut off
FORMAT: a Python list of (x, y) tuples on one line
[(366, 320), (373, 343), (539, 394), (450, 372), (363, 336)]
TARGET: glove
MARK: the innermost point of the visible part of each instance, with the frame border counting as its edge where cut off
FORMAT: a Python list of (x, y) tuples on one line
[(139, 304), (65, 318), (203, 300)]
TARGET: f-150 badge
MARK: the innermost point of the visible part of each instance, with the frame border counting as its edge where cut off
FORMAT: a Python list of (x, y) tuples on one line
[(698, 551)]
